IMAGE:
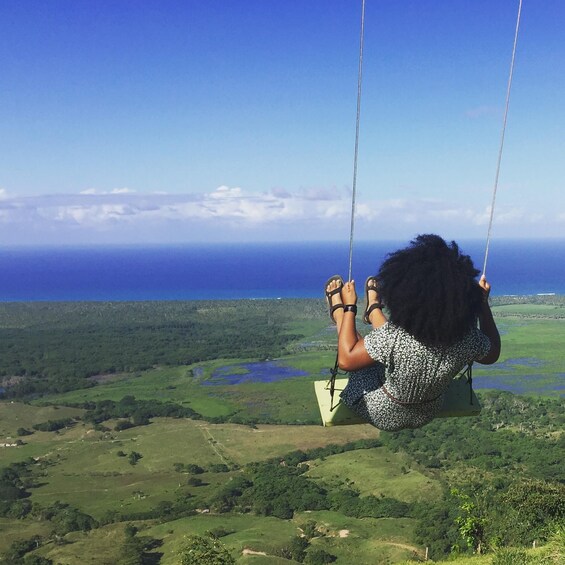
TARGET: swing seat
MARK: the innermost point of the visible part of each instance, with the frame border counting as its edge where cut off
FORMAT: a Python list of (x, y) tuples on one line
[(459, 401), (341, 415)]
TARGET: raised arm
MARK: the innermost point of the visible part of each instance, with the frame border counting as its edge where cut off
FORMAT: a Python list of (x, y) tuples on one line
[(351, 351), (488, 326)]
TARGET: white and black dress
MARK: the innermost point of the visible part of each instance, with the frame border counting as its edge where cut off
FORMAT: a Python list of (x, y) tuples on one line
[(405, 386)]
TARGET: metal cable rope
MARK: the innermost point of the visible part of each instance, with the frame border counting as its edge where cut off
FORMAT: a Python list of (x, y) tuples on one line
[(502, 138), (356, 153)]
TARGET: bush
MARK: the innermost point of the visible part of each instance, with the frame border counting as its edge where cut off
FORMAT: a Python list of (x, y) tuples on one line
[(123, 425), (194, 469), (199, 550), (319, 557), (37, 560), (219, 532), (134, 457), (218, 468), (511, 556), (53, 425)]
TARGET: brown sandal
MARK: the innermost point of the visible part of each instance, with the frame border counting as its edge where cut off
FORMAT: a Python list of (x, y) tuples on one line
[(333, 292), (374, 306)]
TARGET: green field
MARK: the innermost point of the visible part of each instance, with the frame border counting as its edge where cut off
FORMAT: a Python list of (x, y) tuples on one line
[(88, 466), (378, 472)]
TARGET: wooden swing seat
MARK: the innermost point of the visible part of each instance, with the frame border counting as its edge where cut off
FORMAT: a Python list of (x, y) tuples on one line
[(459, 400)]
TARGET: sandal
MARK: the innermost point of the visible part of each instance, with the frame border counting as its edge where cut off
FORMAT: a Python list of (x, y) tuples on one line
[(371, 284), (333, 292)]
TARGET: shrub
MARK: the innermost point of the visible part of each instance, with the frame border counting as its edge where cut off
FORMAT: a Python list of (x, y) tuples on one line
[(199, 550), (511, 556)]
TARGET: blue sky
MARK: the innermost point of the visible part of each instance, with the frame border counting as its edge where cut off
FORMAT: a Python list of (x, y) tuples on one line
[(180, 121)]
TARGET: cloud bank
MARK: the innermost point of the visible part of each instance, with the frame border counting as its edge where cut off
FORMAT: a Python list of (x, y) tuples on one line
[(230, 213)]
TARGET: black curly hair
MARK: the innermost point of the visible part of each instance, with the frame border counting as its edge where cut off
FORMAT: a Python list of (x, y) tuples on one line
[(430, 290)]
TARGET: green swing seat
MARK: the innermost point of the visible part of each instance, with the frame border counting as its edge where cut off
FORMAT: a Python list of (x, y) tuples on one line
[(459, 400)]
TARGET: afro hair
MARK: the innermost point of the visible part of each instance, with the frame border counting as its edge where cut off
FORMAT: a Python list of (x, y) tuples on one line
[(431, 291)]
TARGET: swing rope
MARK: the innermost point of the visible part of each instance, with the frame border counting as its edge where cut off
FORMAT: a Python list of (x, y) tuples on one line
[(335, 371), (500, 150), (357, 123), (508, 89)]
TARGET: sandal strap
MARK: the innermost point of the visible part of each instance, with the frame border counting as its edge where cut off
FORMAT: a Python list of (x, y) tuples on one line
[(333, 309), (337, 290), (371, 308)]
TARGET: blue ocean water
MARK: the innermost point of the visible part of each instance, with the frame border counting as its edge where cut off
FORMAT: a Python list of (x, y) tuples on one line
[(206, 271)]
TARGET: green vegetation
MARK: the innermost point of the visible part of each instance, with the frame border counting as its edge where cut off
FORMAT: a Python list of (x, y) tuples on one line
[(153, 458), (60, 347)]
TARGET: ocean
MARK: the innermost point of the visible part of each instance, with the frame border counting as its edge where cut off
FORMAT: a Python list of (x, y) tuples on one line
[(245, 271)]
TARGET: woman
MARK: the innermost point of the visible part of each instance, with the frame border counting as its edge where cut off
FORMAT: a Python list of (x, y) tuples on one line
[(400, 370)]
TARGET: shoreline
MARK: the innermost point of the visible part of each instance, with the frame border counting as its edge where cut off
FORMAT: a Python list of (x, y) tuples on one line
[(494, 297)]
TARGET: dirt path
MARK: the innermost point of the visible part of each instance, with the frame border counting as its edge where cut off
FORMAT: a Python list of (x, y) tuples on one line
[(213, 443), (247, 551), (416, 550)]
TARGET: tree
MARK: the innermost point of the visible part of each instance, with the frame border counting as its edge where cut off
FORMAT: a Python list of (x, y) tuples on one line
[(471, 523), (123, 425), (131, 552), (309, 529), (199, 550), (532, 507), (319, 557), (297, 548), (134, 457), (194, 469)]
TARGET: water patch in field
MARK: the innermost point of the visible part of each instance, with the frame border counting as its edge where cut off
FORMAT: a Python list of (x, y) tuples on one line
[(259, 372), (524, 384), (516, 363)]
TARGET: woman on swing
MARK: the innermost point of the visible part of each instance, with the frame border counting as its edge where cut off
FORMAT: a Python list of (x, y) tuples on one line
[(400, 370)]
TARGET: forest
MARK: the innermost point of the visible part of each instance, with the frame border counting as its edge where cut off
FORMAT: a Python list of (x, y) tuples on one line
[(55, 347)]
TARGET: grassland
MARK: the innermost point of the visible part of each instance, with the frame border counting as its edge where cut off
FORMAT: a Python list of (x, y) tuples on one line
[(378, 472), (85, 471), (80, 465)]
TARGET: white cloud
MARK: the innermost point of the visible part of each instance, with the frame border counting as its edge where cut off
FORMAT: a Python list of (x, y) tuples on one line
[(113, 191), (231, 212), (224, 192)]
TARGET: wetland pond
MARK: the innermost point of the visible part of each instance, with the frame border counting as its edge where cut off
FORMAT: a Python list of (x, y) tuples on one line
[(552, 384), (546, 385), (521, 382), (257, 372)]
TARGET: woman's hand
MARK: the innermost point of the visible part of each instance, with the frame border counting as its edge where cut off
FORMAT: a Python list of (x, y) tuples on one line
[(483, 283), (488, 326), (348, 293)]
